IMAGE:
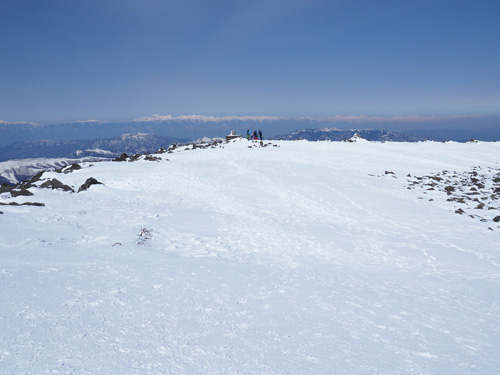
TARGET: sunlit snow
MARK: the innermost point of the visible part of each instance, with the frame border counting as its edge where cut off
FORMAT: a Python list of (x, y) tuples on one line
[(294, 258)]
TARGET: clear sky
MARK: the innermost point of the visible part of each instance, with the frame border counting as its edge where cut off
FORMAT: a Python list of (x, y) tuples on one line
[(68, 60)]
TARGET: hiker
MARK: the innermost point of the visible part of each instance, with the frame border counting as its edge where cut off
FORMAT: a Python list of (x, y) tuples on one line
[(255, 136), (260, 134), (248, 134)]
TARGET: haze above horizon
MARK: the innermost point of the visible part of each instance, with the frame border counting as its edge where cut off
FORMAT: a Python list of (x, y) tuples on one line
[(119, 60)]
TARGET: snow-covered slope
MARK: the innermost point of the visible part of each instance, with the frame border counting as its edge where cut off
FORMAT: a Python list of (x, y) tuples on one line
[(294, 258), (14, 171)]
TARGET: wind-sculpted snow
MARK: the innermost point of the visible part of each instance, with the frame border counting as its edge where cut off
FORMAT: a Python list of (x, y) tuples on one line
[(303, 258)]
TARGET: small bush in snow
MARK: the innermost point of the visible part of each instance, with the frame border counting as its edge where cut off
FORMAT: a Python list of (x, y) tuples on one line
[(144, 235)]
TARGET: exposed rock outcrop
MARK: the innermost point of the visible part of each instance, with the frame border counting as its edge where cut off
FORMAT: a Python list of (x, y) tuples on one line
[(56, 184), (122, 157), (477, 189), (69, 169), (23, 204), (90, 181), (18, 192)]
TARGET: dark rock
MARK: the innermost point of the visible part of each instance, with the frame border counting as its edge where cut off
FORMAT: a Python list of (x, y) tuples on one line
[(460, 211), (459, 200), (90, 181), (122, 157), (6, 188), (36, 178), (20, 192), (134, 158), (496, 219), (23, 204), (449, 189), (56, 184), (33, 204), (71, 168), (152, 158)]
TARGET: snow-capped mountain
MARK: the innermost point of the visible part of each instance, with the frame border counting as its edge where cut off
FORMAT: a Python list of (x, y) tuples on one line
[(246, 257), (131, 143), (458, 128), (334, 134), (15, 171)]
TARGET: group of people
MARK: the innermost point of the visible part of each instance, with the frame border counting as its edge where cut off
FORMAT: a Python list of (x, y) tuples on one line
[(256, 135)]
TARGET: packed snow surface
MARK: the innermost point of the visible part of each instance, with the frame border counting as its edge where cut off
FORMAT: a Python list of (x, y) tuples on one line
[(295, 258)]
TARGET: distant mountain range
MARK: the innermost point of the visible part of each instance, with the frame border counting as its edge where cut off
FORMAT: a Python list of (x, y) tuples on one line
[(133, 143), (456, 128), (139, 143), (326, 134)]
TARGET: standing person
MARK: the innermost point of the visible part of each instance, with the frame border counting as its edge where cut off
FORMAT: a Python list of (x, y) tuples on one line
[(260, 134), (255, 136), (248, 134)]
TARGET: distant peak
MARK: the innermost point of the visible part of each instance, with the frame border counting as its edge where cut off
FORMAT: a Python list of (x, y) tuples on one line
[(135, 135), (3, 122), (90, 122), (202, 118)]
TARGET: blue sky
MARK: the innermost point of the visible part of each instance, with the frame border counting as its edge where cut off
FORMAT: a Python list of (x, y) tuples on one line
[(64, 61)]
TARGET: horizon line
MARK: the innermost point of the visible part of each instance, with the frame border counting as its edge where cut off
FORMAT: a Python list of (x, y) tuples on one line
[(210, 119)]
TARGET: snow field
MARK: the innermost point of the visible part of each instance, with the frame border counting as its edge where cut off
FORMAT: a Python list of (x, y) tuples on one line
[(305, 258)]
